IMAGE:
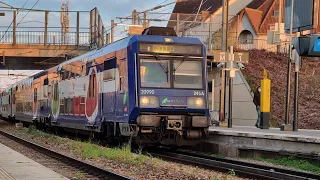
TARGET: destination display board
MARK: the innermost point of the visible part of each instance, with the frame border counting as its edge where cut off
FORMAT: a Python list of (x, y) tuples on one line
[(170, 49)]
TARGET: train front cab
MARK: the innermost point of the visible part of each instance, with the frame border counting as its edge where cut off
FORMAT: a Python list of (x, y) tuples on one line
[(172, 93)]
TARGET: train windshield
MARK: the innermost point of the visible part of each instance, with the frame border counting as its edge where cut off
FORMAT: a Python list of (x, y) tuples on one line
[(155, 73), (186, 74)]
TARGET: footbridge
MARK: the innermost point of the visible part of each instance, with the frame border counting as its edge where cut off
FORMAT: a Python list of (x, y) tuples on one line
[(47, 40)]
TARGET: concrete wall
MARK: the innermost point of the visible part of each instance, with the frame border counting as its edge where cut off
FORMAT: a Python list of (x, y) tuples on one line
[(244, 111)]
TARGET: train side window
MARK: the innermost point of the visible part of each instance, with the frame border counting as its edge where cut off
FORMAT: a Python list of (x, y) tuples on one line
[(14, 99), (92, 85), (56, 92), (66, 106), (62, 106), (210, 86), (70, 105), (62, 74), (94, 77), (82, 106), (121, 83), (35, 95), (109, 75), (83, 70), (72, 70)]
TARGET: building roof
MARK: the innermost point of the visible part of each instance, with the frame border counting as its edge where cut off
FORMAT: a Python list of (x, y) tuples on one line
[(261, 18), (254, 16), (192, 6)]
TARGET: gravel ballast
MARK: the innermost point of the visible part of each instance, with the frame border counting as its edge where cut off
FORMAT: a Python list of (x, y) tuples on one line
[(123, 162)]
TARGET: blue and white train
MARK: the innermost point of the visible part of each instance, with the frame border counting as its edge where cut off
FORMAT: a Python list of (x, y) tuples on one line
[(150, 88)]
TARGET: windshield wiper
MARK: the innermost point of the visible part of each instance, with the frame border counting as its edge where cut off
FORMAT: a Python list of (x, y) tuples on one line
[(156, 56), (185, 58)]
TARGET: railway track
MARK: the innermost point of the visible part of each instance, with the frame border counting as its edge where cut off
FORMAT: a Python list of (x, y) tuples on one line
[(68, 164), (240, 168)]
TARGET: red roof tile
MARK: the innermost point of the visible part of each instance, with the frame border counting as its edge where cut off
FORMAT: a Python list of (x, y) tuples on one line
[(255, 17), (262, 17)]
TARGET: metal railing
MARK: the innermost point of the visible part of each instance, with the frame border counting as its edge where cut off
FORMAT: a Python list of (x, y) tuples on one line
[(239, 43), (52, 37)]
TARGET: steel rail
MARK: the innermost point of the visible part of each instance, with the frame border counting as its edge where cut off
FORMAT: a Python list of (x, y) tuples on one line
[(82, 166), (243, 169)]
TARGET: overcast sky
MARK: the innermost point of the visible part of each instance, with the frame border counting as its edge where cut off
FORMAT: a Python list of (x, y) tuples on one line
[(108, 9)]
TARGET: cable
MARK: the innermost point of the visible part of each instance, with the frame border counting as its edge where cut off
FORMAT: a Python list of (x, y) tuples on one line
[(13, 21), (74, 48), (162, 2), (28, 12), (25, 14)]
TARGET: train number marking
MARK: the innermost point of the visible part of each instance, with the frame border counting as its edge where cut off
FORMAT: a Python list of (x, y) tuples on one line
[(198, 93), (147, 92)]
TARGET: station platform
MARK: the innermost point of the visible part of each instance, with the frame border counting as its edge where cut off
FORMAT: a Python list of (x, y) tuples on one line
[(245, 141), (15, 166)]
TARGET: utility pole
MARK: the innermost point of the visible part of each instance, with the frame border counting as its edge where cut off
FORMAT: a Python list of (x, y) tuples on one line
[(279, 21), (224, 48), (286, 125), (65, 20), (112, 31), (231, 76), (297, 59)]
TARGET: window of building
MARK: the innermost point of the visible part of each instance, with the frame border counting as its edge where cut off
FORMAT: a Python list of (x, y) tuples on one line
[(246, 37), (276, 13)]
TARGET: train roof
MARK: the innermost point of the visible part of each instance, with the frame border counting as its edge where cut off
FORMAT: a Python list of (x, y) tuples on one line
[(123, 43)]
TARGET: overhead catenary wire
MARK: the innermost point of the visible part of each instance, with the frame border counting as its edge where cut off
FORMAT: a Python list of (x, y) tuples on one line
[(13, 20), (24, 15), (121, 21)]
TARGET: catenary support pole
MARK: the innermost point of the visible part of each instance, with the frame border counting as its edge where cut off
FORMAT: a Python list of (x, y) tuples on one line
[(231, 76), (224, 48), (287, 115), (297, 59)]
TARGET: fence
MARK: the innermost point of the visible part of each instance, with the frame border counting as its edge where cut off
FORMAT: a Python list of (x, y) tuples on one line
[(52, 38), (79, 28), (239, 43)]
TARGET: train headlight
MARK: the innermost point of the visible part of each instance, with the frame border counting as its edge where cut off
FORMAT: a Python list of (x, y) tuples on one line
[(199, 102), (149, 101), (144, 100), (196, 102)]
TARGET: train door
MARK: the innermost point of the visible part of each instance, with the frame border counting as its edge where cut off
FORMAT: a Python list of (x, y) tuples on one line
[(109, 89), (13, 99), (92, 96), (35, 99), (120, 98), (10, 103), (45, 98)]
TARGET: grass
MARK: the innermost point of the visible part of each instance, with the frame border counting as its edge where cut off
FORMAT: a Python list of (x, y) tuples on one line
[(294, 163), (88, 150), (79, 175), (34, 133)]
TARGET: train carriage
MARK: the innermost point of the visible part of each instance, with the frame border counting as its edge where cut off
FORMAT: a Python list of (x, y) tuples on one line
[(6, 103), (150, 88)]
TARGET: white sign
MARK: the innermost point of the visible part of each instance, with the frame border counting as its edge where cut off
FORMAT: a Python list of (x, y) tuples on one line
[(239, 57)]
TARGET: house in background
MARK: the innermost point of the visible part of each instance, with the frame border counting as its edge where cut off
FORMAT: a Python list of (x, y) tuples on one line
[(249, 22), (253, 25)]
